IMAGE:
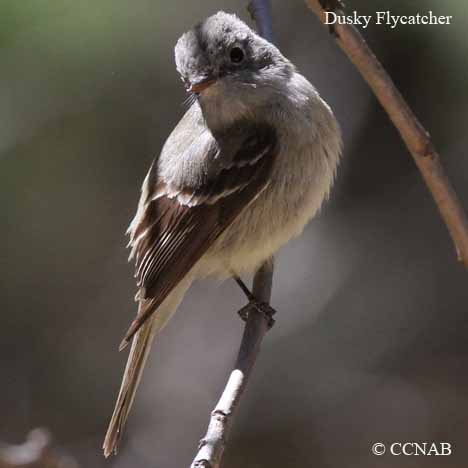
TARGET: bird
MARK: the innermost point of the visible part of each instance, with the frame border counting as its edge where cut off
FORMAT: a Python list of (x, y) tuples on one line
[(242, 173)]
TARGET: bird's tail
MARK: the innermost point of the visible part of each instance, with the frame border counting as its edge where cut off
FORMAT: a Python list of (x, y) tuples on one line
[(139, 351)]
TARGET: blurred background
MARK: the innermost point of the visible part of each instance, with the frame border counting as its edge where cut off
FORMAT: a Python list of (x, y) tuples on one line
[(370, 343)]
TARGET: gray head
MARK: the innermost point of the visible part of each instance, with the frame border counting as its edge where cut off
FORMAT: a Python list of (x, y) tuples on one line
[(228, 65)]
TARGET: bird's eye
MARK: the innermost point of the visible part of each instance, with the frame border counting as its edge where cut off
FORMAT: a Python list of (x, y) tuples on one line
[(236, 55)]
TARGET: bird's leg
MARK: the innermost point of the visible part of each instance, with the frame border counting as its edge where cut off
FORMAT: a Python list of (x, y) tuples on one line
[(262, 307), (332, 5), (244, 287)]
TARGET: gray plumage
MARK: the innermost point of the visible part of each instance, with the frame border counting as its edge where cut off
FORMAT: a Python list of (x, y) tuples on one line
[(246, 168)]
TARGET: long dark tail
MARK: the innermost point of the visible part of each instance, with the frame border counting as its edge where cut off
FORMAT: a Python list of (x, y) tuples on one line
[(139, 351)]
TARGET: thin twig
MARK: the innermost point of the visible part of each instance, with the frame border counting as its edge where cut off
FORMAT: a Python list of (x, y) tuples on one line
[(260, 11), (212, 446), (411, 130)]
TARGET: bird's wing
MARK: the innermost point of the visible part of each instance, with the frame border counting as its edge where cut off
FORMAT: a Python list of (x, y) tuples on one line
[(192, 193)]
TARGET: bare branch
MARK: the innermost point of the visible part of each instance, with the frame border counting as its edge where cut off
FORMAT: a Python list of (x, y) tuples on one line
[(212, 446), (411, 130), (260, 11)]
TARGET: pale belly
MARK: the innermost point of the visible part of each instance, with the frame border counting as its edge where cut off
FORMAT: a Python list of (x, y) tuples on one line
[(301, 181), (303, 173)]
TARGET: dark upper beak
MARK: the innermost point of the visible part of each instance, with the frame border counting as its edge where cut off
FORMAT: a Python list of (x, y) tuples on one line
[(200, 85)]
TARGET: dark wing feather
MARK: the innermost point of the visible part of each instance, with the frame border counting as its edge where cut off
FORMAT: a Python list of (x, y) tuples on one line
[(178, 221)]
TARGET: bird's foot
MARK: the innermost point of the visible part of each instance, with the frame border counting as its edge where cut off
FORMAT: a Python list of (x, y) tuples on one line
[(254, 305), (332, 5), (261, 307)]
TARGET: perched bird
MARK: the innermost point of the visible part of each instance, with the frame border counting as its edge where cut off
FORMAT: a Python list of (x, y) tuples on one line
[(246, 168)]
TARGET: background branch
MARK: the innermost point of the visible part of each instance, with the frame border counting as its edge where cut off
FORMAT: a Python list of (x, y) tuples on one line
[(411, 130), (260, 11), (212, 446)]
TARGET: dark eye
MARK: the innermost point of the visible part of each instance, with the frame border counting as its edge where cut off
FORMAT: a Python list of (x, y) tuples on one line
[(236, 55)]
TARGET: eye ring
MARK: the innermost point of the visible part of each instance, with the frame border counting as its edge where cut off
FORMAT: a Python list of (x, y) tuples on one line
[(236, 55)]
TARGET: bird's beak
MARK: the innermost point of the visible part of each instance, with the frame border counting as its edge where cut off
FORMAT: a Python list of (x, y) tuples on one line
[(201, 85)]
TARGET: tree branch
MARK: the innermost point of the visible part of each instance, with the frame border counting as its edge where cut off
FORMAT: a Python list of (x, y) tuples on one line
[(212, 446), (411, 130), (260, 11)]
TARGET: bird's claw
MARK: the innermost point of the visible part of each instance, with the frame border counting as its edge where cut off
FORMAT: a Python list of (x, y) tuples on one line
[(261, 307)]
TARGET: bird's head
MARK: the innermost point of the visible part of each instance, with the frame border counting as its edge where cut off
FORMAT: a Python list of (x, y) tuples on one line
[(229, 67)]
